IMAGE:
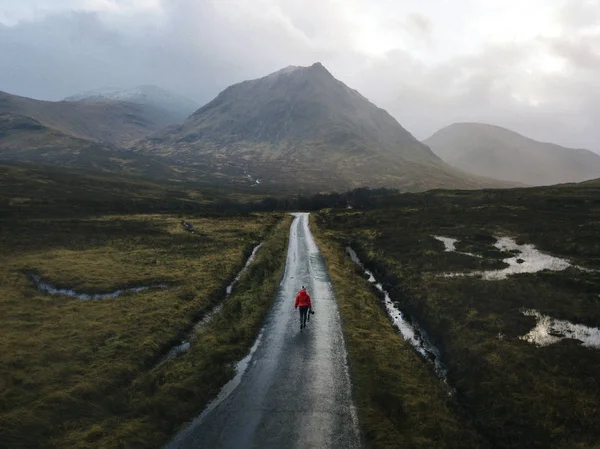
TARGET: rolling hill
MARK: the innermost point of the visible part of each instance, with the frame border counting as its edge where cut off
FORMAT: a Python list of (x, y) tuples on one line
[(499, 153), (300, 126), (99, 120), (25, 140)]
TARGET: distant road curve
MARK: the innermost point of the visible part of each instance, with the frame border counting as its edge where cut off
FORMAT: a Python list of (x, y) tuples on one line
[(296, 391)]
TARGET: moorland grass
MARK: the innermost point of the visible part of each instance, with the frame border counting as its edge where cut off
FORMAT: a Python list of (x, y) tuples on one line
[(74, 371), (518, 395), (28, 191), (400, 400), (167, 397)]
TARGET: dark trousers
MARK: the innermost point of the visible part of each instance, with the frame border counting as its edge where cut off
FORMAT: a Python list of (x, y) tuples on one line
[(303, 315)]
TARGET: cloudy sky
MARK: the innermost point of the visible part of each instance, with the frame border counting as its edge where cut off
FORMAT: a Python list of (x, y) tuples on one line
[(530, 65)]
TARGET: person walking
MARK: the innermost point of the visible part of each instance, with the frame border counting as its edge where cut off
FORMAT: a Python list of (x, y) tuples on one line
[(303, 301)]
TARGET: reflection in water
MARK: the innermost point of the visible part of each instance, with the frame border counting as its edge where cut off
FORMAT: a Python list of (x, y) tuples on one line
[(526, 259), (449, 243), (549, 330), (409, 330)]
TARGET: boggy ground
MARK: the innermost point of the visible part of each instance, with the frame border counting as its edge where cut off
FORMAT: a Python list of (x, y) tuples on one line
[(399, 399), (517, 395), (83, 373)]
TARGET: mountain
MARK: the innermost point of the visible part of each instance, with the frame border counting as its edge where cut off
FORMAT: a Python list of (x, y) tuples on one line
[(175, 108), (496, 152), (300, 126), (104, 121), (26, 140)]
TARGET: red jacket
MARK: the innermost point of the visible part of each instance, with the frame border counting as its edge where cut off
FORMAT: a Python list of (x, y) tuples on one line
[(302, 299)]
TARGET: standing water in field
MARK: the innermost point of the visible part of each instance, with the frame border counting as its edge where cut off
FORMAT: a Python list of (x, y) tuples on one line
[(549, 330), (409, 330), (450, 245), (45, 287), (229, 288), (185, 345), (526, 259)]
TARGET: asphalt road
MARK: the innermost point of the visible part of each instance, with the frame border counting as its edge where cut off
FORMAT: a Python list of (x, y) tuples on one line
[(295, 392)]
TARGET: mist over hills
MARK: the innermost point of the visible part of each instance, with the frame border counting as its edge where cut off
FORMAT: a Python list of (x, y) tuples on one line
[(496, 152), (176, 108), (98, 120), (302, 126)]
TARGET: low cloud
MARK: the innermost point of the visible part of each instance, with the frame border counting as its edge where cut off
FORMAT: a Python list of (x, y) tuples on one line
[(545, 86), (420, 26)]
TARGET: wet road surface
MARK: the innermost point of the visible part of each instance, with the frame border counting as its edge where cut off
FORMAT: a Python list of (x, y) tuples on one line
[(295, 392)]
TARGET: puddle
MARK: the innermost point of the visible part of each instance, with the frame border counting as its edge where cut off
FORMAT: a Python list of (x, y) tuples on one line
[(185, 345), (549, 331), (408, 329), (526, 259), (176, 350), (49, 289), (450, 245)]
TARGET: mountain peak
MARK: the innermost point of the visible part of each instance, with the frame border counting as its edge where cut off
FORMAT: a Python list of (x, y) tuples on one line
[(319, 68), (296, 70), (304, 120)]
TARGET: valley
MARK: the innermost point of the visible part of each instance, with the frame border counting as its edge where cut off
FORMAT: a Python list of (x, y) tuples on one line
[(151, 249), (460, 361)]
